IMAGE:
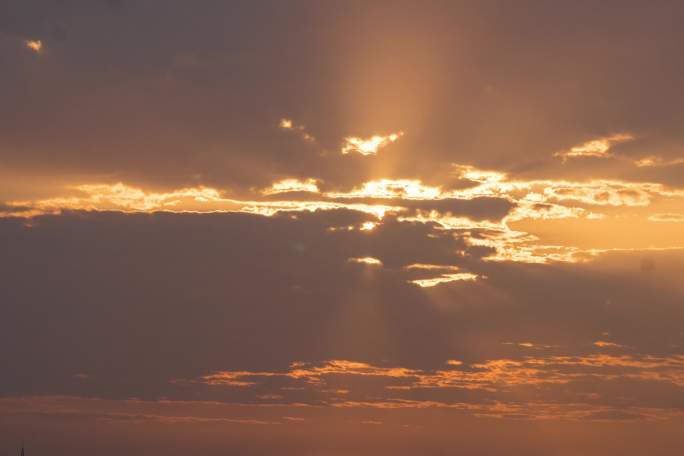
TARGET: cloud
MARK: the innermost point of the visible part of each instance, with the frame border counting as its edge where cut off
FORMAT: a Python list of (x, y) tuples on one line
[(292, 185), (34, 45), (217, 131), (667, 218), (252, 220), (490, 211), (369, 146), (599, 148), (497, 379), (392, 188), (366, 260), (289, 125), (121, 197), (656, 161), (246, 341), (445, 278), (216, 253), (447, 274)]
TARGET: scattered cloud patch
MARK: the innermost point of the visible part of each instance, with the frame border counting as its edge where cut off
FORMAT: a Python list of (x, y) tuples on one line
[(446, 278), (292, 185), (657, 161), (606, 344), (34, 45), (390, 189), (366, 260), (670, 217), (289, 125), (496, 381), (599, 148), (368, 146)]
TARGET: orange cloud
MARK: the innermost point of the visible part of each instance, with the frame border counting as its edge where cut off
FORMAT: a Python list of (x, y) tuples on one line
[(657, 161), (292, 185), (34, 45), (121, 197), (497, 378), (595, 148), (667, 218), (391, 188), (446, 278), (605, 344), (537, 201), (490, 375), (366, 260), (369, 146), (289, 125)]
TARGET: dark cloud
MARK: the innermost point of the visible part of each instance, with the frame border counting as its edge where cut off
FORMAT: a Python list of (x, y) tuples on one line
[(148, 94), (117, 306)]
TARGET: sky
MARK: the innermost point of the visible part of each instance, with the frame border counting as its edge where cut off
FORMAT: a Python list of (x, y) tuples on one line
[(332, 228)]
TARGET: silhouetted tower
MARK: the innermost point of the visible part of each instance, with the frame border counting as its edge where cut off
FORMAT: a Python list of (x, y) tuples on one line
[(22, 449)]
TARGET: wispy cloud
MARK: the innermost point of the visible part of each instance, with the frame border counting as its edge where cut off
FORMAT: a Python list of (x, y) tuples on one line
[(598, 148), (496, 378), (366, 260), (670, 217)]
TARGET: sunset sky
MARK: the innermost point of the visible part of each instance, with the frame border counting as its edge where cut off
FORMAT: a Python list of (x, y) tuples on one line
[(342, 228)]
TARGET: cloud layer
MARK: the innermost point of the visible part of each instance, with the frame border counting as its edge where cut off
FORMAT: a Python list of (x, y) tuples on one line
[(359, 228)]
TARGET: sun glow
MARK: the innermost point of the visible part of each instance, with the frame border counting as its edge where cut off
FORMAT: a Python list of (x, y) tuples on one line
[(445, 278), (368, 226), (520, 233), (369, 146), (391, 188), (292, 185), (125, 198), (366, 260)]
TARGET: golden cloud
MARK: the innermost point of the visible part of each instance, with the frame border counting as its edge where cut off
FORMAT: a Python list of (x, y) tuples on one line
[(124, 198), (369, 146), (34, 45), (667, 218), (366, 260), (657, 161), (532, 201), (391, 189), (292, 185), (290, 125), (595, 148), (496, 378), (488, 375), (446, 278), (605, 344)]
